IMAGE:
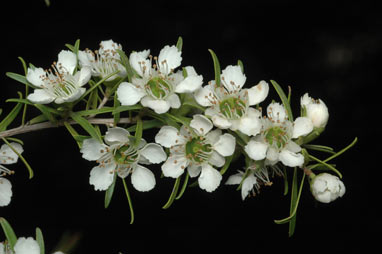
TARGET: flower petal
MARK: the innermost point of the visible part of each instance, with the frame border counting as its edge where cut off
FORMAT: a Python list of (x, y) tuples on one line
[(67, 61), (276, 112), (84, 75), (202, 95), (159, 106), (201, 124), (142, 179), (5, 191), (26, 246), (213, 136), (225, 145), (174, 166), (7, 155), (221, 122), (209, 179), (40, 96), (174, 101), (35, 76), (169, 136), (216, 159), (251, 123), (139, 62), (291, 159), (258, 93), (256, 150), (302, 126), (235, 179), (92, 149), (102, 176), (233, 78), (154, 153), (116, 135), (194, 170), (190, 84), (128, 94), (169, 58), (247, 185)]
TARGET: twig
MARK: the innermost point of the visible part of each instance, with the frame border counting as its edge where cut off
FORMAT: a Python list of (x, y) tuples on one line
[(46, 125)]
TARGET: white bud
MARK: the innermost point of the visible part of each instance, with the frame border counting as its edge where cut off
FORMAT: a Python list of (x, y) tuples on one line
[(316, 111), (327, 188), (26, 246)]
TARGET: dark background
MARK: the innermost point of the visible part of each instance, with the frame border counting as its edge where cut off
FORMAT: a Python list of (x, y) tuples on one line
[(330, 49)]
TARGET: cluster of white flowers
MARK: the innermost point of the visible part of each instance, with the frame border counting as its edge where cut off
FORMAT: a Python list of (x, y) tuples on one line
[(202, 128)]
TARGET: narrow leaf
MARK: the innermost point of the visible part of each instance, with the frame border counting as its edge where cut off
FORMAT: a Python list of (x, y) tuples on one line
[(226, 165), (216, 67), (109, 192), (73, 132), (8, 232), (173, 194), (125, 62), (126, 108), (326, 164), (40, 240), (240, 63), (129, 201), (148, 124), (138, 132), (10, 117), (184, 186), (88, 127), (179, 43), (293, 203), (95, 111), (19, 78), (284, 99), (46, 112)]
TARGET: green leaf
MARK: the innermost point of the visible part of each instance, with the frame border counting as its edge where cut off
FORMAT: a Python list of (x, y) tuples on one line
[(326, 164), (184, 186), (138, 132), (125, 62), (10, 117), (284, 99), (216, 67), (40, 240), (179, 43), (293, 203), (173, 194), (74, 133), (226, 165), (117, 116), (320, 148), (88, 127), (129, 201), (38, 119), (8, 232), (109, 192), (240, 63), (29, 168), (95, 111), (19, 78), (294, 208), (148, 124), (286, 186), (46, 112), (126, 108)]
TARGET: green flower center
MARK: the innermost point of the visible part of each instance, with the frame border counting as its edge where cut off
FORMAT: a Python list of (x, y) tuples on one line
[(233, 108), (126, 154), (276, 136), (198, 150), (158, 88)]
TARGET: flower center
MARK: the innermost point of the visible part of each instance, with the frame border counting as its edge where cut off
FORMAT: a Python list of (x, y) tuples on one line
[(126, 154), (198, 150), (276, 137), (158, 88), (233, 108)]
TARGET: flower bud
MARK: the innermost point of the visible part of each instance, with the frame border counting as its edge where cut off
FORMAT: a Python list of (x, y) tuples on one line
[(327, 188), (316, 111)]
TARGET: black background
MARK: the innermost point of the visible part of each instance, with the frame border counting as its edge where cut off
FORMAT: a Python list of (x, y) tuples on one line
[(330, 49)]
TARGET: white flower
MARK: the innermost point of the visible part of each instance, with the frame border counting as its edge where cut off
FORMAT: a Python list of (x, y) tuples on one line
[(26, 246), (157, 85), (316, 111), (58, 84), (198, 149), (274, 143), (120, 155), (104, 61), (327, 188), (257, 175), (229, 104), (7, 156)]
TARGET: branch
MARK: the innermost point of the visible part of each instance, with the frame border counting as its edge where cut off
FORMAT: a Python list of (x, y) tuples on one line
[(46, 125)]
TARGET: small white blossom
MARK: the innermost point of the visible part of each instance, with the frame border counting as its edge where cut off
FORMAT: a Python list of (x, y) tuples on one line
[(7, 156), (274, 143), (316, 111), (120, 155), (197, 149), (26, 246), (229, 104), (327, 188), (104, 61), (158, 84), (59, 84)]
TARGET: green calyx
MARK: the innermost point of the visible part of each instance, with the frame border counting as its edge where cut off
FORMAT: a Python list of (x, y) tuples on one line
[(126, 154), (233, 108), (197, 150), (158, 88), (276, 136)]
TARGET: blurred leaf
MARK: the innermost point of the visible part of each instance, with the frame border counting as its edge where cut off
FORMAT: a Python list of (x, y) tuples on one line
[(173, 194), (8, 232), (138, 132), (284, 99), (129, 201), (216, 67), (40, 240), (179, 43)]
